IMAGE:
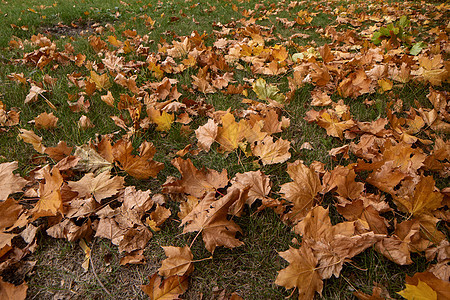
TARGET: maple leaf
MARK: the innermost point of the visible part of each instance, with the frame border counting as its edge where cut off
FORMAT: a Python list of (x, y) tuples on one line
[(91, 160), (333, 125), (10, 211), (50, 200), (100, 186), (45, 121), (11, 291), (367, 215), (302, 191), (210, 218), (231, 133), (424, 199), (169, 288), (28, 136), (258, 182), (140, 167), (9, 182), (159, 215), (301, 272), (420, 291), (162, 119), (440, 287), (178, 261), (101, 81), (195, 182), (271, 152), (206, 135), (266, 91)]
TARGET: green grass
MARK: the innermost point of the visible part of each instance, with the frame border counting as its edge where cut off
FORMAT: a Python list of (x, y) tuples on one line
[(249, 270)]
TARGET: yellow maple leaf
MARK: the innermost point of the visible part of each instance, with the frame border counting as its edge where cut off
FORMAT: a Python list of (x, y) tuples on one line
[(421, 291), (101, 81), (162, 119)]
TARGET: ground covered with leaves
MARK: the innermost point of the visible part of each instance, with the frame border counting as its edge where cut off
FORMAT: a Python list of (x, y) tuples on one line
[(224, 149)]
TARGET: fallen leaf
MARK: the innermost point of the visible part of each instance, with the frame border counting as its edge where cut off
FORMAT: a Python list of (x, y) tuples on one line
[(28, 136), (169, 288), (178, 261), (301, 273), (100, 186), (9, 182)]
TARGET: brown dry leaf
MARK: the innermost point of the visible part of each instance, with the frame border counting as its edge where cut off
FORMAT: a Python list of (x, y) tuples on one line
[(206, 135), (59, 152), (46, 121), (271, 152), (140, 167), (424, 200), (9, 291), (35, 91), (134, 238), (302, 191), (50, 200), (160, 215), (108, 99), (169, 288), (9, 210), (28, 136), (210, 218), (178, 261), (134, 258), (320, 98), (84, 122), (301, 273), (333, 125), (367, 215), (258, 182), (100, 186), (9, 182), (378, 293), (193, 181)]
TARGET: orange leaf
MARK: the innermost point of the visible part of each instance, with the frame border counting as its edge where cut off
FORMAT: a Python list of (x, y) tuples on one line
[(169, 288)]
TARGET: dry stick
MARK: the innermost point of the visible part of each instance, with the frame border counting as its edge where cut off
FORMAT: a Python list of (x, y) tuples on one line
[(93, 270)]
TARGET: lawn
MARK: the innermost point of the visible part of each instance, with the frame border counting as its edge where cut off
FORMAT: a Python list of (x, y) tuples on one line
[(224, 149)]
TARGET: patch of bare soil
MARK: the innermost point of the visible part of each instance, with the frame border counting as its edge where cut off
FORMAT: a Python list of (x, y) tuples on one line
[(74, 29)]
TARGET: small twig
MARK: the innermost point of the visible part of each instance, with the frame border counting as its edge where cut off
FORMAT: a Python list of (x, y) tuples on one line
[(93, 270)]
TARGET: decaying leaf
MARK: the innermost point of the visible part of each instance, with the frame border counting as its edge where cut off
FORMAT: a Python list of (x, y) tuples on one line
[(178, 261)]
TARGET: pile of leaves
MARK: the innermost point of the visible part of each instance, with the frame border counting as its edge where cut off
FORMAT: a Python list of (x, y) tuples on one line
[(383, 188)]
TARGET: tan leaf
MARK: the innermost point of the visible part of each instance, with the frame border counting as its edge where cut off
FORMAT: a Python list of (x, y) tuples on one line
[(206, 135), (210, 218), (169, 288), (11, 291), (302, 191), (160, 215), (91, 160), (46, 121), (301, 273), (178, 261), (84, 122), (108, 99), (272, 152), (193, 181), (100, 186), (59, 152), (9, 182), (35, 91), (134, 258), (28, 136), (258, 182)]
